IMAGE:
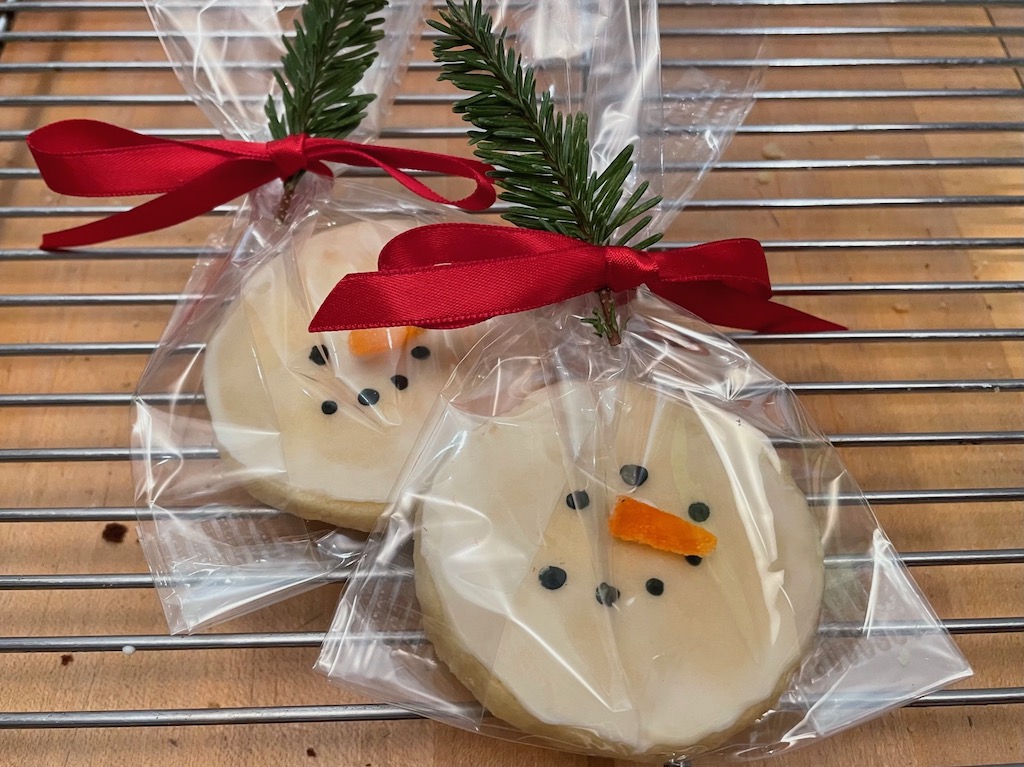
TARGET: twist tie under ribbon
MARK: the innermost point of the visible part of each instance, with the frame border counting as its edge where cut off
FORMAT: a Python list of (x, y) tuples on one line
[(87, 158), (453, 275)]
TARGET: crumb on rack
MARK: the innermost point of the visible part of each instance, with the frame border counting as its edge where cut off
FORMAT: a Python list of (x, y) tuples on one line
[(114, 532)]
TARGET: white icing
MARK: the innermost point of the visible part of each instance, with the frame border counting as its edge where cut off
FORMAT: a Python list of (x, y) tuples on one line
[(264, 394), (650, 672)]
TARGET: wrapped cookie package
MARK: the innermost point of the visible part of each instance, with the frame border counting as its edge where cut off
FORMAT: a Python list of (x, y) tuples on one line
[(644, 551), (641, 548), (254, 440)]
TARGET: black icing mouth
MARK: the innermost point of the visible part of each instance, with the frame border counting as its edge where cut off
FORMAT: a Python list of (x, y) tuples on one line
[(607, 594), (369, 397), (577, 499), (552, 577), (634, 475), (319, 355)]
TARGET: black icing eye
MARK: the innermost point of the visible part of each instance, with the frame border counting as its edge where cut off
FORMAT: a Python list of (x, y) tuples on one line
[(552, 577), (400, 382), (606, 595), (420, 352), (329, 407), (368, 397), (699, 512), (634, 475), (577, 499), (319, 355), (693, 559), (655, 587)]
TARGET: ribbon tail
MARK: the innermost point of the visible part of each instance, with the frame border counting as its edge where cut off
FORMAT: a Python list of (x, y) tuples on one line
[(218, 186), (720, 304)]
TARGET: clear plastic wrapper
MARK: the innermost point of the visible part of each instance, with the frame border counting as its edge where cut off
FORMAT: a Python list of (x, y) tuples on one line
[(225, 53), (254, 439), (643, 551)]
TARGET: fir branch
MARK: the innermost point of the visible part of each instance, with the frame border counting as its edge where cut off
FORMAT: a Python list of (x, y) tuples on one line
[(335, 43), (542, 156)]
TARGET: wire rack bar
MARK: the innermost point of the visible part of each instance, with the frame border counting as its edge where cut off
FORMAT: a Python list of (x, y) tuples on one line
[(919, 439), (354, 713), (120, 399), (208, 716), (837, 336), (939, 243), (291, 639), (735, 165), (793, 203), (457, 132), (130, 514), (783, 289), (94, 581)]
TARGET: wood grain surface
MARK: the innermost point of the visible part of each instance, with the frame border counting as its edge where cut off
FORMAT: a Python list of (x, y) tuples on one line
[(917, 737)]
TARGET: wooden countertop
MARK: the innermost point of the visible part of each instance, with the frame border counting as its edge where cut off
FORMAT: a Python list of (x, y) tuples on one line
[(916, 737)]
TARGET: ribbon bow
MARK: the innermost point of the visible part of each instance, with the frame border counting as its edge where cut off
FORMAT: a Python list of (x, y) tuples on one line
[(453, 275), (87, 158)]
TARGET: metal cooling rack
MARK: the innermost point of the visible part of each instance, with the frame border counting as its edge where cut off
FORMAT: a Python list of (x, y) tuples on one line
[(893, 115)]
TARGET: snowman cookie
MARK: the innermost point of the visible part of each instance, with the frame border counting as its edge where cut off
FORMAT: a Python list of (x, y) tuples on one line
[(650, 606), (320, 426)]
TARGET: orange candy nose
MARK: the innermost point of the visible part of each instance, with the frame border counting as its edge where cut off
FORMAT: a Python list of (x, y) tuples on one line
[(638, 522), (366, 343)]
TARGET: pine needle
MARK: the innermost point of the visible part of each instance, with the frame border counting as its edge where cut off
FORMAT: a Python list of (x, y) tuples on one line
[(542, 156), (335, 43)]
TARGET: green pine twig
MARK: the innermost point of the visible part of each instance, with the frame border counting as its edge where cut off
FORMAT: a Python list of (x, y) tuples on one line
[(542, 156), (335, 43)]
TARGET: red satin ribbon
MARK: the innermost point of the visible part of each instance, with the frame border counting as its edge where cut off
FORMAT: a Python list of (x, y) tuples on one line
[(453, 275), (87, 158)]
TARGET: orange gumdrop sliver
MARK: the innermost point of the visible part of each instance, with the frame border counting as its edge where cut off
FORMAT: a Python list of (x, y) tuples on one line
[(638, 522), (371, 341)]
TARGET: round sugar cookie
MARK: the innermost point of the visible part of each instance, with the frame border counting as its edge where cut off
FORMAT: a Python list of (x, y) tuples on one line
[(605, 643), (309, 425)]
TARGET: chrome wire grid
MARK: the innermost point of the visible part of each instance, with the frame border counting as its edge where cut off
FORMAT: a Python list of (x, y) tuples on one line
[(883, 167)]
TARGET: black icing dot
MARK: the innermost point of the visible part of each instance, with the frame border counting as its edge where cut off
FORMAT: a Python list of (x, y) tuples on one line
[(319, 355), (420, 352), (552, 577), (400, 382), (655, 587), (633, 475), (368, 397), (606, 595), (699, 512), (578, 499), (694, 560), (329, 407)]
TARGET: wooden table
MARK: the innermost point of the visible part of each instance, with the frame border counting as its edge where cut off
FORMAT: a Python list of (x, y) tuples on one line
[(922, 204)]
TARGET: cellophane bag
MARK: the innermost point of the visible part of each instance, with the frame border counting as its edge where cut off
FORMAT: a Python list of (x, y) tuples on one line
[(260, 451), (647, 550)]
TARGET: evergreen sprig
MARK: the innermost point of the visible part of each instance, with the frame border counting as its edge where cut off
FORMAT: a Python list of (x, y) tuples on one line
[(335, 43), (542, 156)]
